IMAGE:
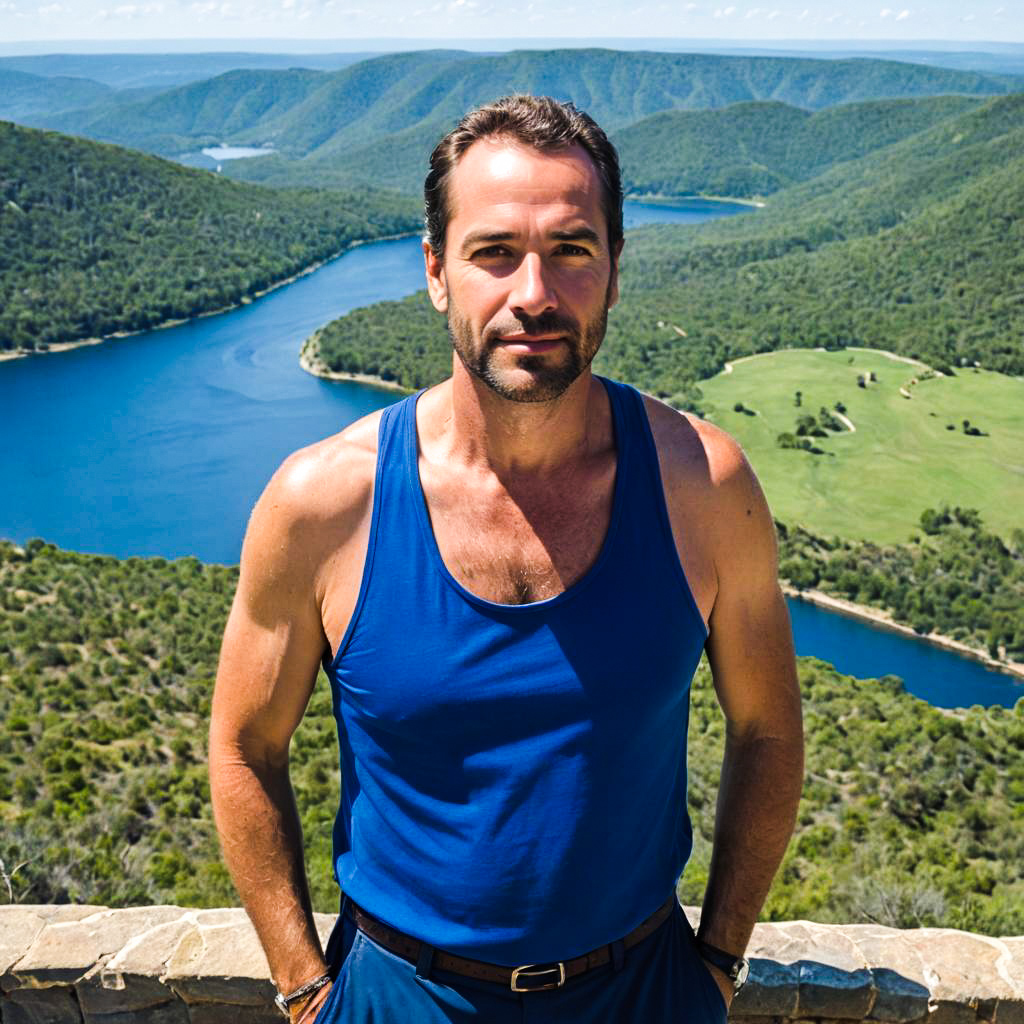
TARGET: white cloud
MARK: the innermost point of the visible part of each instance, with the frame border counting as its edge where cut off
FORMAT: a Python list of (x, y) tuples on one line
[(727, 12), (999, 10), (774, 15), (49, 10), (752, 13), (885, 12), (903, 15), (803, 15)]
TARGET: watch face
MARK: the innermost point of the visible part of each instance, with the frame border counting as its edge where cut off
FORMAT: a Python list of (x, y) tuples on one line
[(740, 977)]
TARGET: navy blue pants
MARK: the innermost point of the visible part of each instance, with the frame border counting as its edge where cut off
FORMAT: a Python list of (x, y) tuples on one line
[(660, 980)]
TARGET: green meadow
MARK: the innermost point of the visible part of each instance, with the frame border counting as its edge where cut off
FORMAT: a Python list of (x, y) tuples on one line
[(904, 455)]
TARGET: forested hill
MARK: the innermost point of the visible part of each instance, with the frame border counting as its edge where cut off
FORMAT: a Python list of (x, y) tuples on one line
[(752, 149), (96, 239), (910, 815), (916, 248), (310, 115)]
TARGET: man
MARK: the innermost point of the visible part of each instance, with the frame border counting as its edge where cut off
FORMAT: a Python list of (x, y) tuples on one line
[(510, 579)]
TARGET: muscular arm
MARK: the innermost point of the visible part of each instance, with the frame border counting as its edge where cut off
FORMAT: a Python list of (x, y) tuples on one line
[(751, 655), (272, 647)]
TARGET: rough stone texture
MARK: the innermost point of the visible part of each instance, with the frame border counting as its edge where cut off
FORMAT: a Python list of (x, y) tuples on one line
[(169, 965)]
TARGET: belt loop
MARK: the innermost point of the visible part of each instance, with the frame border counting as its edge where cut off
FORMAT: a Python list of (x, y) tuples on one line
[(425, 961), (618, 955)]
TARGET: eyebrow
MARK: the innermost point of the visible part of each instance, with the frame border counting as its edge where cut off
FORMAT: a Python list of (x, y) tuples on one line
[(487, 237)]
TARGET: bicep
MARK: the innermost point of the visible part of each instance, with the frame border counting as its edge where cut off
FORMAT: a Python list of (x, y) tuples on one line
[(273, 641)]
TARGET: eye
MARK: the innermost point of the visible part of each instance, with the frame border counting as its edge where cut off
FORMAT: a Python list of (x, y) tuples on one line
[(569, 249), (491, 252)]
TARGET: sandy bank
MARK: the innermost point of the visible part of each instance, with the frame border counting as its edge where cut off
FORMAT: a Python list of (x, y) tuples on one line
[(883, 619), (309, 360)]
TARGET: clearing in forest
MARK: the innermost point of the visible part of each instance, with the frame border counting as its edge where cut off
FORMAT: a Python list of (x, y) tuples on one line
[(921, 440)]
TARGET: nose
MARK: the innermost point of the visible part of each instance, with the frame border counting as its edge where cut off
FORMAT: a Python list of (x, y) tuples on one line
[(531, 292)]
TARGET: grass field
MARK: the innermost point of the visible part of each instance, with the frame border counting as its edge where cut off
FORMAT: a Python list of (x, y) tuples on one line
[(874, 482)]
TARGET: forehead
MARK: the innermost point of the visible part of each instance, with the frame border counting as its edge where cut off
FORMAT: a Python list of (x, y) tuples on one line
[(498, 179)]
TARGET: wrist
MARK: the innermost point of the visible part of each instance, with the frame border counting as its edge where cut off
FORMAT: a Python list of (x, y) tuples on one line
[(291, 1003)]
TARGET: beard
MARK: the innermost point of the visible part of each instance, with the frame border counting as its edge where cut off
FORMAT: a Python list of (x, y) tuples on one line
[(530, 378)]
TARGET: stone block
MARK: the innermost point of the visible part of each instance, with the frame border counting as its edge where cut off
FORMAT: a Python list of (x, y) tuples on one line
[(960, 967), (1010, 1011), (133, 978), (135, 994), (211, 1013), (20, 926), (770, 991), (65, 951), (54, 1005), (175, 1012), (946, 1011), (221, 960), (835, 993), (897, 998)]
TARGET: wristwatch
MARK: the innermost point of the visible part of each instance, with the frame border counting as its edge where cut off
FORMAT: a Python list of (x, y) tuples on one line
[(283, 1002), (735, 968)]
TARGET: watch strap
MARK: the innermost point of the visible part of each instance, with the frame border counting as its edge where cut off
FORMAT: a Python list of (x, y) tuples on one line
[(283, 1002), (729, 963)]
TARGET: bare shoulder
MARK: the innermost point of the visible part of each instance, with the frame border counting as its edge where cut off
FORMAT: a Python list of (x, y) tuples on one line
[(698, 456), (315, 501)]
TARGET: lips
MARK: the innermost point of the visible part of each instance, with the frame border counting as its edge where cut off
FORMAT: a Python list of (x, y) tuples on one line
[(531, 344)]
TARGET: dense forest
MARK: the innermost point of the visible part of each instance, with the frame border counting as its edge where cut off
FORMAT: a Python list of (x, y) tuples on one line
[(954, 578), (95, 239), (916, 248), (106, 674), (755, 149)]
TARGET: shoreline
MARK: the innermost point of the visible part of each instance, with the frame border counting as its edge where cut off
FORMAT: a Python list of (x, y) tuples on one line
[(884, 620), (660, 198), (310, 362), (245, 300)]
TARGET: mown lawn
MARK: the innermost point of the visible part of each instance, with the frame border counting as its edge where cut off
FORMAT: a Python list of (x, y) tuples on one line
[(872, 484)]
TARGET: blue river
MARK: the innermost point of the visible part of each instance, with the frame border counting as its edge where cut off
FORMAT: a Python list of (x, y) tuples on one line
[(160, 444)]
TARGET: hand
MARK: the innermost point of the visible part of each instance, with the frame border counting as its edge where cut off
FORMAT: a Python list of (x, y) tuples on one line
[(723, 981), (305, 1012)]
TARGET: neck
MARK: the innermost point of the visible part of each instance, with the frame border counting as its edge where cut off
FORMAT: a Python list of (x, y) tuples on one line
[(513, 438)]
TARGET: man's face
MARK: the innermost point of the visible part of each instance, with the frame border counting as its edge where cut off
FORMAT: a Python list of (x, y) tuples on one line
[(528, 277)]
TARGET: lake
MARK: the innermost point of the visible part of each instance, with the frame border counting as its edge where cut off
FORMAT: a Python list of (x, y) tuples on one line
[(160, 444)]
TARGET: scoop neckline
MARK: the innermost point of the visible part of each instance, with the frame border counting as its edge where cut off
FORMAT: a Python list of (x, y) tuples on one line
[(423, 514)]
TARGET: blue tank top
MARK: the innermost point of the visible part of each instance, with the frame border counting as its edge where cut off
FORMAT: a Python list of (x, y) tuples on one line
[(514, 776)]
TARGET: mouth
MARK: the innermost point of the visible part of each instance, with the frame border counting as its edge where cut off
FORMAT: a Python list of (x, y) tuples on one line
[(530, 344)]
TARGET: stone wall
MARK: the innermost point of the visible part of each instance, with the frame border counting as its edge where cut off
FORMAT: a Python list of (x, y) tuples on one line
[(168, 965)]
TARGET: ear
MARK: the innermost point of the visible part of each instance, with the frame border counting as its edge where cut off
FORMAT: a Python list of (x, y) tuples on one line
[(437, 286), (613, 281)]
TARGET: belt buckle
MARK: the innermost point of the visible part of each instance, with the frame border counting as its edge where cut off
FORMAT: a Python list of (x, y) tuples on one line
[(536, 971)]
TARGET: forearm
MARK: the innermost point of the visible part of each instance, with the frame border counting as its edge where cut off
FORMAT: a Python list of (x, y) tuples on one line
[(261, 837), (754, 817)]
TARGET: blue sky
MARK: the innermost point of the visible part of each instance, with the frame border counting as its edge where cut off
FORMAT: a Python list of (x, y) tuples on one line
[(848, 20)]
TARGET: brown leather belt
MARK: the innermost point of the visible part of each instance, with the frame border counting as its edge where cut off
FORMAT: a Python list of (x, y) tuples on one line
[(528, 977)]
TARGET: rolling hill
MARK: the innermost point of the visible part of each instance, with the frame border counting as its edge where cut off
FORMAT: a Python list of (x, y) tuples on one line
[(752, 149), (96, 239)]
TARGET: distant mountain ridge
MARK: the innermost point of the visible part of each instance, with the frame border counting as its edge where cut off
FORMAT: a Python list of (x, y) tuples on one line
[(308, 115)]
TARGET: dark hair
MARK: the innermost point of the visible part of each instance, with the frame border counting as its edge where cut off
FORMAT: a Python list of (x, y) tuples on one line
[(537, 121)]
